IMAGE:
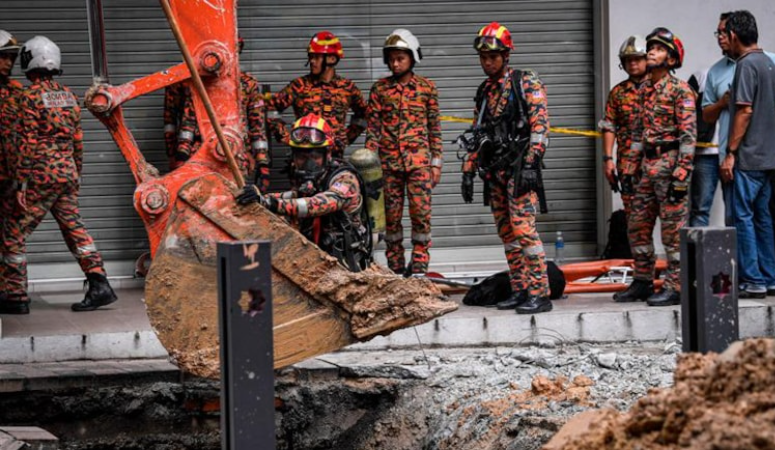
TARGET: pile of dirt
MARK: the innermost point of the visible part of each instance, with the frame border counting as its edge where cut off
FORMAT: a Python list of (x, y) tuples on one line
[(724, 401)]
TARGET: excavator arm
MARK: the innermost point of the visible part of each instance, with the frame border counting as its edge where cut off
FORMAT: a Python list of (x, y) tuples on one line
[(319, 306)]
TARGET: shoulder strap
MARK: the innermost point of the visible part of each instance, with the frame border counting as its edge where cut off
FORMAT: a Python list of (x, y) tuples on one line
[(521, 104)]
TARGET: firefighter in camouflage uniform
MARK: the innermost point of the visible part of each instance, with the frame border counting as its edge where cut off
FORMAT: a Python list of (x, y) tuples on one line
[(669, 138), (174, 103), (324, 93), (252, 121), (326, 202), (509, 143), (47, 170), (405, 130), (10, 94), (622, 122)]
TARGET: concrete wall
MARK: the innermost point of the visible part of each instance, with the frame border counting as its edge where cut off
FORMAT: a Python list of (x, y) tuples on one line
[(694, 21)]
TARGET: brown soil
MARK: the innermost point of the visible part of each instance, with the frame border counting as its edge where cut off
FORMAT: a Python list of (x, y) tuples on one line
[(722, 402)]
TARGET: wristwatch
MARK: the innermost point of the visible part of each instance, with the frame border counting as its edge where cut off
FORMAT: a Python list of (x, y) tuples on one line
[(730, 151), (607, 158)]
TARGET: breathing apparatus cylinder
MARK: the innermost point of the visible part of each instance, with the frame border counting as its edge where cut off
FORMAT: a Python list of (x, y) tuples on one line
[(368, 165)]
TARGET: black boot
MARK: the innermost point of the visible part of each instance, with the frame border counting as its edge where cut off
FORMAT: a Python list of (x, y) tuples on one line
[(535, 304), (99, 294), (10, 304), (666, 297), (639, 290), (512, 302)]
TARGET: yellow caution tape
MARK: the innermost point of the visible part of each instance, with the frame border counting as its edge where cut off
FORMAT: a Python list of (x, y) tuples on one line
[(570, 131)]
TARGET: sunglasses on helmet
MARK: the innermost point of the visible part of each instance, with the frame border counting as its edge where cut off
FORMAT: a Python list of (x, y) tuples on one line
[(308, 136), (490, 43)]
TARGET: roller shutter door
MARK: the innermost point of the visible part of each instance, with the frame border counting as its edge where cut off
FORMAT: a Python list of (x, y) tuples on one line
[(555, 38), (552, 37)]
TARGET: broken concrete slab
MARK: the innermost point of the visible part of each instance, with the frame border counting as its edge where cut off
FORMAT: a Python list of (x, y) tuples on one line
[(28, 438)]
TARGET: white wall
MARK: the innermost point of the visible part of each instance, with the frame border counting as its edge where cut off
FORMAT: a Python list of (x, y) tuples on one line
[(694, 21)]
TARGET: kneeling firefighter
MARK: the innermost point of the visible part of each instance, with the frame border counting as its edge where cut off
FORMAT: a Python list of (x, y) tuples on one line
[(506, 149), (326, 202)]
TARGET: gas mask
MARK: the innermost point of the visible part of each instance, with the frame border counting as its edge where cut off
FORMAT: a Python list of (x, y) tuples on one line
[(307, 174)]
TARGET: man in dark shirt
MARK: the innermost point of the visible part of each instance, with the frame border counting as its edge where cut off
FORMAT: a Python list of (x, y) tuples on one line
[(750, 155)]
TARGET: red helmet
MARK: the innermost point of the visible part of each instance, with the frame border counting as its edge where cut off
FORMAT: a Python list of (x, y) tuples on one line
[(493, 38), (674, 45), (326, 43), (312, 131)]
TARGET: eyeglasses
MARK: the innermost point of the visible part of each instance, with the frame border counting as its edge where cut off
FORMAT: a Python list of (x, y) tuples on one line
[(488, 43), (719, 33), (308, 135)]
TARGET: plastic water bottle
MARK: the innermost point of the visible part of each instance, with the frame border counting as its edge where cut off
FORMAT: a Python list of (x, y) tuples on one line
[(559, 249)]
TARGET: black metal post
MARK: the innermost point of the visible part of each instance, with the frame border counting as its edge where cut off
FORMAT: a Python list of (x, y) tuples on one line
[(709, 313), (247, 352)]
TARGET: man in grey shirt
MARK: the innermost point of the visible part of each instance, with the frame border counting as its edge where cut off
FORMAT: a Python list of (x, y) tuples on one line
[(751, 155)]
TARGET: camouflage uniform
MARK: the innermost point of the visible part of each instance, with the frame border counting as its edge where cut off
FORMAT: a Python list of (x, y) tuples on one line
[(622, 117), (49, 166), (174, 103), (252, 119), (404, 128), (514, 214), (10, 93), (319, 217), (669, 138), (330, 100)]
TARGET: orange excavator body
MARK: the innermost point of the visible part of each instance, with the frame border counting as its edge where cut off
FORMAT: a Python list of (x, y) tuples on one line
[(319, 306)]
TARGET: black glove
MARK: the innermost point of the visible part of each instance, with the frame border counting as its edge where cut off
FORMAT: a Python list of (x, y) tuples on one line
[(250, 194), (615, 184), (528, 181), (628, 185), (271, 203), (182, 156), (467, 187), (677, 191)]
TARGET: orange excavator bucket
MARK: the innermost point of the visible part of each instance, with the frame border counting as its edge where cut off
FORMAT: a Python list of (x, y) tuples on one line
[(319, 306)]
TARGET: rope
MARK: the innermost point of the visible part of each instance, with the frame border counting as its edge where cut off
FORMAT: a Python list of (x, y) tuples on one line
[(592, 134)]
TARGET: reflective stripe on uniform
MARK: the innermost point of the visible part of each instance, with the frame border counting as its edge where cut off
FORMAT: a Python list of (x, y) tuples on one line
[(686, 149), (169, 128), (259, 145), (186, 136), (15, 259), (394, 237), (86, 249), (643, 249), (533, 250), (437, 162), (606, 125), (673, 256), (301, 207), (537, 138), (421, 237)]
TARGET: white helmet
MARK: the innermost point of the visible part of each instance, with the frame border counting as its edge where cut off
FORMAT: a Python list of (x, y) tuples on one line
[(634, 45), (40, 53), (8, 43), (401, 39)]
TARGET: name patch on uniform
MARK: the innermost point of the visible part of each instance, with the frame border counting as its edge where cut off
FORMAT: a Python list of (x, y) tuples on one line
[(59, 99)]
